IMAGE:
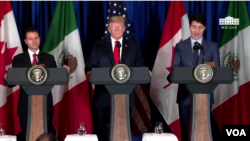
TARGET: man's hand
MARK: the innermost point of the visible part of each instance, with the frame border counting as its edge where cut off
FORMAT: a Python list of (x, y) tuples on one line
[(67, 67), (5, 76), (150, 73), (88, 74)]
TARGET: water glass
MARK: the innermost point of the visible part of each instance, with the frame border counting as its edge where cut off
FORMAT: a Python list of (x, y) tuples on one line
[(1, 130), (158, 128), (82, 129)]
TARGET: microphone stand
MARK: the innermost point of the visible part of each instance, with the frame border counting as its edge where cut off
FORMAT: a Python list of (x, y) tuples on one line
[(197, 47), (119, 60)]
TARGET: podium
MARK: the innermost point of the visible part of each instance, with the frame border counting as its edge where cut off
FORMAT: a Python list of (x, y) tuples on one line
[(120, 122), (37, 96), (200, 99)]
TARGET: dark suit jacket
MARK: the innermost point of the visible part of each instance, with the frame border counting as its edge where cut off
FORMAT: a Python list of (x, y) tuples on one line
[(102, 57), (22, 60), (183, 57)]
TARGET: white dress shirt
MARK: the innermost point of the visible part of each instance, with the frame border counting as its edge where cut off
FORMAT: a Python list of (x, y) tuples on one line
[(31, 55), (113, 45), (193, 41)]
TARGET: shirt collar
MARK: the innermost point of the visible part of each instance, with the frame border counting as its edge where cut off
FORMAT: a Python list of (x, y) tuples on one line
[(113, 40), (31, 52), (199, 41)]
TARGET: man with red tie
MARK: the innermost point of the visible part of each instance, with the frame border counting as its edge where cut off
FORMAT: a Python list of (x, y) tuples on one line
[(26, 60), (104, 54)]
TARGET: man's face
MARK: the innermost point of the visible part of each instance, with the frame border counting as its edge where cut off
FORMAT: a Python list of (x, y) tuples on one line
[(32, 40), (116, 30), (196, 30)]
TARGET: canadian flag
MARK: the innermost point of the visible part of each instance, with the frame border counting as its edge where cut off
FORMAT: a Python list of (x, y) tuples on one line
[(162, 92), (10, 46)]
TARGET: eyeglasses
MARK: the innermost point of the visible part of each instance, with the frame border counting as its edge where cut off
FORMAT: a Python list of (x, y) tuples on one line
[(195, 27)]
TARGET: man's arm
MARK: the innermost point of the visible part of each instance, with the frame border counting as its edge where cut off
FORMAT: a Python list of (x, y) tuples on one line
[(216, 56), (93, 59), (14, 65), (54, 63), (139, 58), (177, 56)]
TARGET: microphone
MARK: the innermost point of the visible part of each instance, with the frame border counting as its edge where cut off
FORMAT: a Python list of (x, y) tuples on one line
[(197, 47), (118, 44), (40, 57)]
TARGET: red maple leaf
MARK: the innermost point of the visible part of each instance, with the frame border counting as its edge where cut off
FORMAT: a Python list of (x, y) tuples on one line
[(170, 68), (5, 59)]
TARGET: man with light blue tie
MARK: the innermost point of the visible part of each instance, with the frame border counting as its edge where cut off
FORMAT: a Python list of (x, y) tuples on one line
[(185, 56)]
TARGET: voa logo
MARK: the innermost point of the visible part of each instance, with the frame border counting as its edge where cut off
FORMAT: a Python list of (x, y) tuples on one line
[(236, 132)]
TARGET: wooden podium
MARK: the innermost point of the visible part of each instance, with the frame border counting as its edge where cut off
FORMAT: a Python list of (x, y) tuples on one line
[(120, 122), (37, 94), (200, 98)]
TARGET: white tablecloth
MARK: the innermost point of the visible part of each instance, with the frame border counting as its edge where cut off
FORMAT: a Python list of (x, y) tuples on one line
[(159, 137), (86, 137), (7, 138)]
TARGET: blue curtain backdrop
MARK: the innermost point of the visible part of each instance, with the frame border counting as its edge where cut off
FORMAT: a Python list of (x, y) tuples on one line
[(147, 20)]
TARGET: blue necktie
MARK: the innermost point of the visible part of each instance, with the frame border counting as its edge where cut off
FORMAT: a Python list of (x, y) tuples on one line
[(196, 55)]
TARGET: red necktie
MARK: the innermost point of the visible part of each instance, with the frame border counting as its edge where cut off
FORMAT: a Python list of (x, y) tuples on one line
[(116, 53), (34, 59)]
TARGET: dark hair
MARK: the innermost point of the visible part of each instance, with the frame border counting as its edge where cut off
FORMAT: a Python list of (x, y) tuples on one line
[(46, 137), (30, 29), (198, 18)]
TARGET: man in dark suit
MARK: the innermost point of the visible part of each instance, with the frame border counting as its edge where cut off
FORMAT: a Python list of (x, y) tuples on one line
[(185, 56), (105, 54), (26, 60)]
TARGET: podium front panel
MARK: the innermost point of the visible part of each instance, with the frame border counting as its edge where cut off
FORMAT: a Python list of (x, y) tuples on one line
[(102, 76), (120, 89), (185, 75), (56, 76), (37, 90), (201, 88)]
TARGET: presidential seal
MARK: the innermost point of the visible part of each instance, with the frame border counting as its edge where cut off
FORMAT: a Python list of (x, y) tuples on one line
[(37, 75), (120, 73), (203, 73)]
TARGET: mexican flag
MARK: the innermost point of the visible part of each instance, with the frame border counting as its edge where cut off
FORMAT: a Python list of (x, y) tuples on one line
[(10, 46), (232, 104), (162, 92), (72, 101)]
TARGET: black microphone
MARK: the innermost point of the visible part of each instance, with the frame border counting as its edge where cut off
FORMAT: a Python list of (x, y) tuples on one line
[(118, 44), (40, 57), (197, 47)]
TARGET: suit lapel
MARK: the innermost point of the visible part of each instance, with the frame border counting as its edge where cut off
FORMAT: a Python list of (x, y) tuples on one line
[(204, 45), (189, 50), (27, 59), (43, 59), (124, 50), (109, 50)]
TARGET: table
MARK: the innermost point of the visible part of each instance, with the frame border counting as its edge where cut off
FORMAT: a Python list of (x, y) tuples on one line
[(86, 137), (159, 137), (7, 138)]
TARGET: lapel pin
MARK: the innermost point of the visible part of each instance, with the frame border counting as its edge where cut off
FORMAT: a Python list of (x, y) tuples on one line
[(205, 46), (125, 45)]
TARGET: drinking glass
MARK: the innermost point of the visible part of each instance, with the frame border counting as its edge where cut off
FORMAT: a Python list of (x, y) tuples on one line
[(1, 130), (82, 129), (158, 128)]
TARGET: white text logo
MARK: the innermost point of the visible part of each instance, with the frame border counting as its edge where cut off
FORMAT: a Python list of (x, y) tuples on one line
[(236, 132), (229, 21)]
